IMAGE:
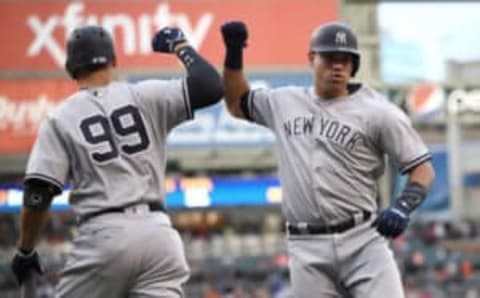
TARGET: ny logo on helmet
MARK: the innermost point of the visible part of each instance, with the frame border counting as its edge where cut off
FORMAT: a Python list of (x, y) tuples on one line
[(341, 37)]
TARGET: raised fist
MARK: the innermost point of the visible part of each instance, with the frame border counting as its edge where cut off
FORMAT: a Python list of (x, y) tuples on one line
[(166, 39), (234, 34)]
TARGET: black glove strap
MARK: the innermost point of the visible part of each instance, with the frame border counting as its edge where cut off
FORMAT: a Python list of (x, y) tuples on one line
[(412, 196), (234, 58)]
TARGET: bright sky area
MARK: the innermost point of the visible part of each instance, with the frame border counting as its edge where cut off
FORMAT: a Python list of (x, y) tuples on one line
[(443, 31)]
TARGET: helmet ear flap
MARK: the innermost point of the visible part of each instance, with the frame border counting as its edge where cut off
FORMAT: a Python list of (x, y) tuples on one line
[(69, 69), (356, 64)]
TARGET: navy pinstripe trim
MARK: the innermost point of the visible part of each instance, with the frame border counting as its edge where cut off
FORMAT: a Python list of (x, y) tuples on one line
[(44, 178), (244, 104), (186, 99), (412, 164), (251, 94)]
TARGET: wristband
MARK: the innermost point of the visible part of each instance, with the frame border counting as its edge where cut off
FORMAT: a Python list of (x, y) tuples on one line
[(234, 58), (411, 197)]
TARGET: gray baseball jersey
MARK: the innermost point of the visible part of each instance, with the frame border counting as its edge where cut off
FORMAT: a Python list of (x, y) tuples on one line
[(331, 152), (109, 142)]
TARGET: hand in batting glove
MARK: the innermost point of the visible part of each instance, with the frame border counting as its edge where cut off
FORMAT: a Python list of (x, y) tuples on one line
[(234, 34), (23, 262), (166, 39), (392, 221)]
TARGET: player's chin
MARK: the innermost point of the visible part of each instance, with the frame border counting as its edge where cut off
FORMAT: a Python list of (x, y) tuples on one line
[(337, 80), (337, 84)]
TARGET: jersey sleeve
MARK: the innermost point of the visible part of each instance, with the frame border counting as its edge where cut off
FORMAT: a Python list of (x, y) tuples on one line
[(259, 107), (48, 160), (400, 140), (167, 99)]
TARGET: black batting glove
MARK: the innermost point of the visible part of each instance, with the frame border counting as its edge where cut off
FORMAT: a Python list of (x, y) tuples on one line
[(23, 262), (166, 39), (234, 34), (391, 222)]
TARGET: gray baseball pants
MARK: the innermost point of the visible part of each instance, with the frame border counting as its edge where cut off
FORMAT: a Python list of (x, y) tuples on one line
[(358, 262), (125, 255)]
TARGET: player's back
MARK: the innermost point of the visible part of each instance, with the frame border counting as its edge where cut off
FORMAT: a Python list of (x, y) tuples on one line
[(114, 137)]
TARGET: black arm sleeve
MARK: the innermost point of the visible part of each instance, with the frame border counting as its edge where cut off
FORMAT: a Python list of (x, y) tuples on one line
[(203, 81)]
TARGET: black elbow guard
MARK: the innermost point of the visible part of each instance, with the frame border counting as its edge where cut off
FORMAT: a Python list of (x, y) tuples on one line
[(39, 194)]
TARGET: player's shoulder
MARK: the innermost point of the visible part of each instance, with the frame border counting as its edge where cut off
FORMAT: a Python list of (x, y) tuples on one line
[(65, 106), (290, 89), (158, 88), (286, 93), (73, 103), (154, 83), (364, 92), (376, 104), (58, 114), (370, 97)]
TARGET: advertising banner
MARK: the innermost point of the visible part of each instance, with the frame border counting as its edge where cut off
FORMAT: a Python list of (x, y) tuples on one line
[(23, 105), (34, 32)]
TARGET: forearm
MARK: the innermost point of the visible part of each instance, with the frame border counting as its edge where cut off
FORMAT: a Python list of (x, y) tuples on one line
[(420, 180), (32, 223), (203, 81), (235, 36), (236, 85)]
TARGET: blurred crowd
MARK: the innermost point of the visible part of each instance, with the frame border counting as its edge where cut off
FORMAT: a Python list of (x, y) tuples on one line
[(248, 260), (430, 270)]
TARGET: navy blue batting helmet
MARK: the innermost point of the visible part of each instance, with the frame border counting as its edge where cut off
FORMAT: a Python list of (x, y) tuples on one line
[(336, 37), (88, 48)]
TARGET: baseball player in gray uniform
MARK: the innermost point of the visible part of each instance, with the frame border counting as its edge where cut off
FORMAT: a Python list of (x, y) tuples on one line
[(108, 140), (331, 142)]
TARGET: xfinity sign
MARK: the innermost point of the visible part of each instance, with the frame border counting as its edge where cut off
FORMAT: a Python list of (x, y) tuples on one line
[(137, 31)]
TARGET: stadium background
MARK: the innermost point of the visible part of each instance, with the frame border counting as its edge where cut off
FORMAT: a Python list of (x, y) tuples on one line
[(223, 192)]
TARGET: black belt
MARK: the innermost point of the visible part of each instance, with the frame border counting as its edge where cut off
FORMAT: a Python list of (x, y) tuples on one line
[(307, 228), (153, 206)]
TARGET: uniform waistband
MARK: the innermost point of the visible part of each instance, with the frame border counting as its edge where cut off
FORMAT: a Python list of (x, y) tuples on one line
[(303, 228), (135, 208)]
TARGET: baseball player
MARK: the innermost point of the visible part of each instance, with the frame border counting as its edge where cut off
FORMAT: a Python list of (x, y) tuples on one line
[(331, 141), (108, 140)]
